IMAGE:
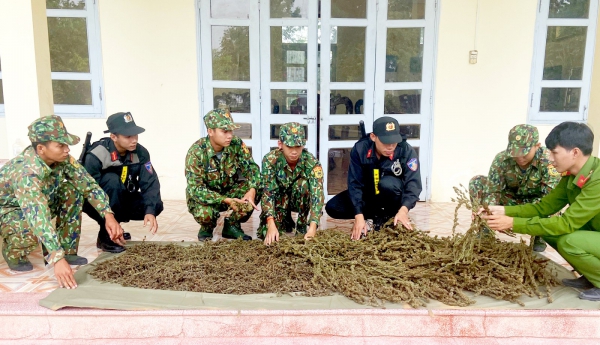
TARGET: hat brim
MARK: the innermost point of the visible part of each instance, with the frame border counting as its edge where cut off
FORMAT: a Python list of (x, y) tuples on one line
[(294, 143), (230, 127), (518, 151), (127, 131), (70, 139), (390, 139)]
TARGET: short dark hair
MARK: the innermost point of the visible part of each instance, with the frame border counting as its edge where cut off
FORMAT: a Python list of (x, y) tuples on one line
[(35, 144), (571, 135)]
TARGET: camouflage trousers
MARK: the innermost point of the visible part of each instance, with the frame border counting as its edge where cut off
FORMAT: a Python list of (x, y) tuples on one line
[(208, 215), (18, 237), (294, 199), (477, 187)]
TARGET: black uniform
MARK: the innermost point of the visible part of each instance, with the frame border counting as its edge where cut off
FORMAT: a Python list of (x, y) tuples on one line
[(130, 182), (377, 188)]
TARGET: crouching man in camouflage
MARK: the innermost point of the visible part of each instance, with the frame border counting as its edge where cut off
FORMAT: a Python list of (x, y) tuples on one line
[(293, 181), (43, 182), (519, 175), (214, 166)]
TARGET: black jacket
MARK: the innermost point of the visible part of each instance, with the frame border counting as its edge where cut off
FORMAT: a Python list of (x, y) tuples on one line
[(102, 157), (363, 162)]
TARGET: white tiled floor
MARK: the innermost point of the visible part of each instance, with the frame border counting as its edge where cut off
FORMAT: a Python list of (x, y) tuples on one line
[(176, 224)]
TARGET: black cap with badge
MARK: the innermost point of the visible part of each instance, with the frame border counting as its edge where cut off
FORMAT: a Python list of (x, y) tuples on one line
[(122, 123), (387, 130)]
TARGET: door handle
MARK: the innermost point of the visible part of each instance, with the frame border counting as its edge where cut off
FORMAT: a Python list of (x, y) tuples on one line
[(310, 119)]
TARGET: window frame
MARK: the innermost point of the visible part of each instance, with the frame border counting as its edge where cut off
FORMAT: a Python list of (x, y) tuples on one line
[(535, 116), (2, 104), (96, 109)]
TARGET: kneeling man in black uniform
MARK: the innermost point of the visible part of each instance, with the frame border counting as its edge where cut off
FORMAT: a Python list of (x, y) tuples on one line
[(384, 180), (123, 169)]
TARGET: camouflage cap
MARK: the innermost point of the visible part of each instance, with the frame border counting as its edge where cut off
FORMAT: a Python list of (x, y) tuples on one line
[(521, 139), (51, 128), (219, 118), (292, 134)]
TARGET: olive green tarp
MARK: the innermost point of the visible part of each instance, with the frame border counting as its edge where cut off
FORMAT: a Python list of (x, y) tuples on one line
[(92, 293)]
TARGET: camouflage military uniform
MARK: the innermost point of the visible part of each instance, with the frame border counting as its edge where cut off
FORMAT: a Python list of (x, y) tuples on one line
[(508, 184), (286, 190), (210, 179), (32, 193)]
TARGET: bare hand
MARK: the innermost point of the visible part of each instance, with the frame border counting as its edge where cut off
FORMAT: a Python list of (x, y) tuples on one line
[(272, 233), (64, 274), (402, 218), (312, 231), (249, 197), (495, 210), (150, 219), (498, 222), (114, 229), (359, 227)]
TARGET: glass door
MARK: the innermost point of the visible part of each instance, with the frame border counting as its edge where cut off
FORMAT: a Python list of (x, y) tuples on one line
[(404, 73), (288, 53), (230, 65), (347, 66)]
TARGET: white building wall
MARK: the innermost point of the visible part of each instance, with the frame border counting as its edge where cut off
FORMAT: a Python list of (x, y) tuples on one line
[(150, 69), (477, 104)]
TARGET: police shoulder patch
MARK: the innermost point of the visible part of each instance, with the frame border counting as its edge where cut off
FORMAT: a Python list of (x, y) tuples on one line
[(413, 164), (148, 167), (318, 171)]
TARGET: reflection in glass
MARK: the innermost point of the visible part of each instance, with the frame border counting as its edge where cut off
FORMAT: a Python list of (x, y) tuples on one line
[(230, 9), (275, 131), (288, 53), (402, 102), (560, 99), (565, 50), (245, 130), (1, 93), (344, 132), (236, 100), (77, 92), (348, 8), (289, 8), (288, 101), (337, 174), (569, 9), (411, 131), (348, 54), (406, 9), (231, 53), (68, 44), (346, 102), (66, 4), (404, 55)]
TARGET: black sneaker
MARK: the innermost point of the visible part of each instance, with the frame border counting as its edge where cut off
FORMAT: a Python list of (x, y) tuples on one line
[(579, 283), (592, 294), (234, 231), (19, 265)]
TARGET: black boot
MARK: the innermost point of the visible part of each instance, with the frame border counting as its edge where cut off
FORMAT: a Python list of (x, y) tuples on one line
[(106, 244), (232, 230)]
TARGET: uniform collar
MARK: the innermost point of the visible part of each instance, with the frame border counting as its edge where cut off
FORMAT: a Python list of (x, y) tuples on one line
[(30, 155), (372, 152), (585, 173), (211, 152), (283, 162), (113, 148)]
